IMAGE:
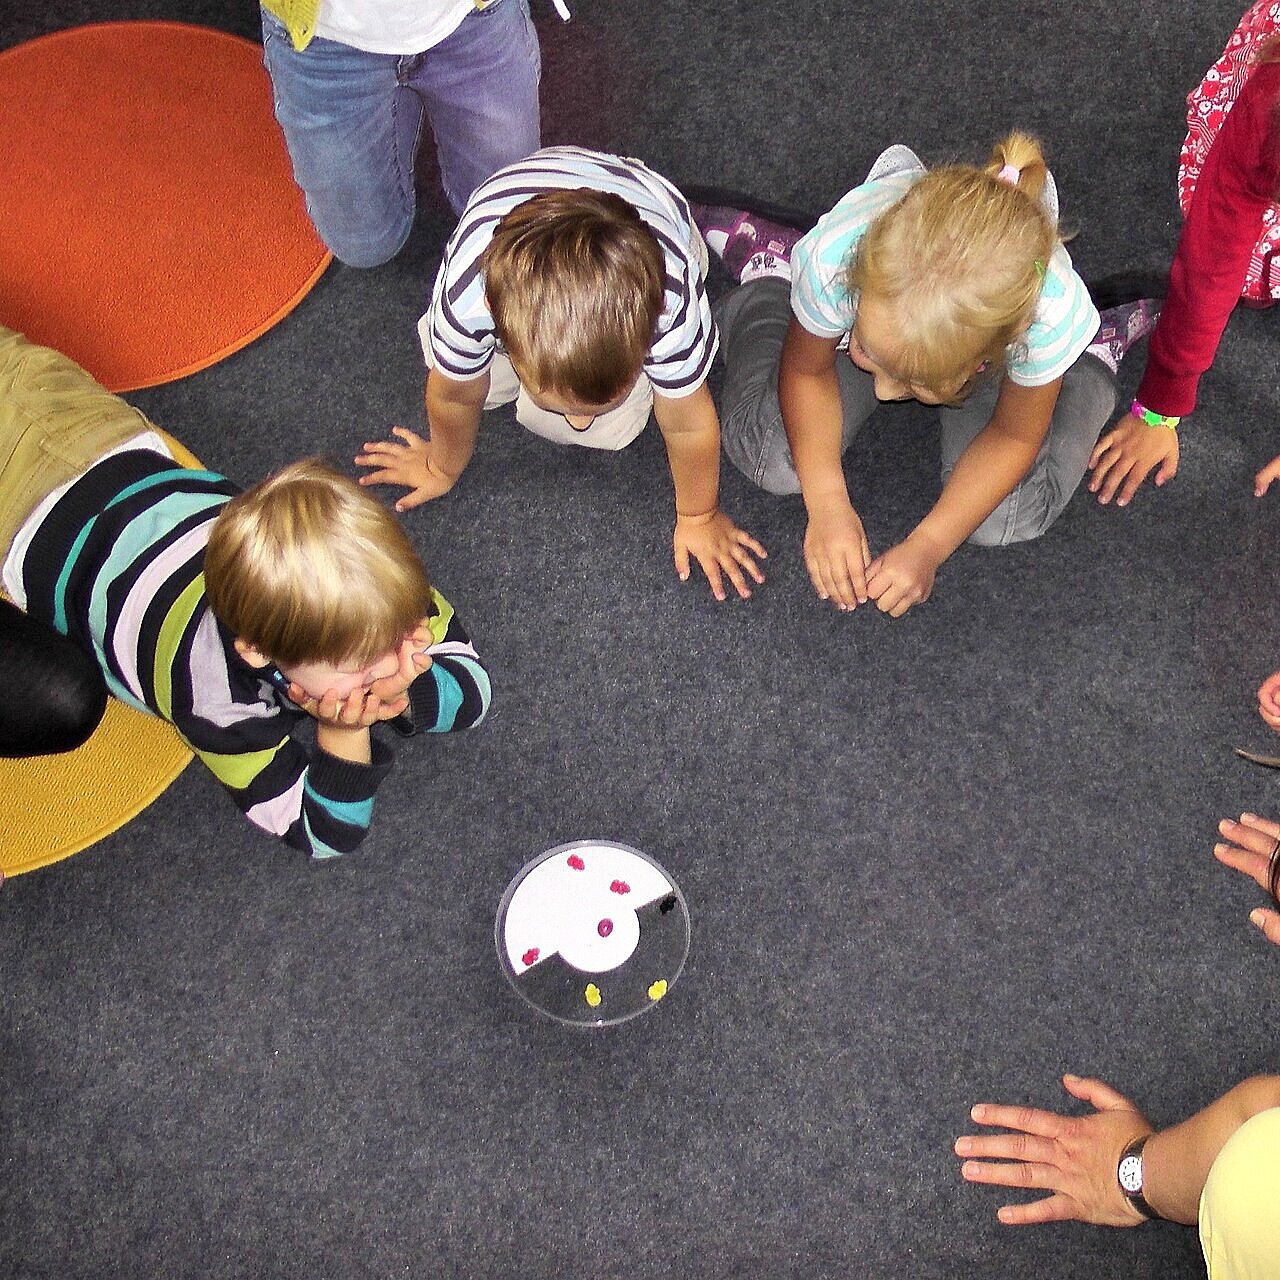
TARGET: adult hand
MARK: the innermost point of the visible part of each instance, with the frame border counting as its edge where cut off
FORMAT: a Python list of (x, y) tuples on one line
[(1127, 454), (1262, 481), (903, 576), (1269, 700), (837, 555), (1074, 1158), (408, 463), (719, 546), (1250, 847)]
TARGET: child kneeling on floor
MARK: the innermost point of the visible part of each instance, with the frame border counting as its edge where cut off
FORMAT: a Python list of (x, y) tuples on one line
[(232, 615), (573, 287), (950, 287)]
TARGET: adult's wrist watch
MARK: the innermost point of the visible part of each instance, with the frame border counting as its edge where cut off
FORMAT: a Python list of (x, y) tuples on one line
[(1129, 1176)]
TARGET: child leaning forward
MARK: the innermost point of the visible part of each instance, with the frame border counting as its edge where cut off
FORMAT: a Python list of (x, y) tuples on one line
[(951, 287), (234, 616), (573, 286)]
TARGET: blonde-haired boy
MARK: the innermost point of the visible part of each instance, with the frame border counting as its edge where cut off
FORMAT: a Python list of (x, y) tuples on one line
[(284, 556), (231, 615), (573, 286)]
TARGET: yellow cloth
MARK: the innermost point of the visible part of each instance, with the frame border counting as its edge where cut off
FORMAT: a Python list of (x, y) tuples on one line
[(1240, 1205), (299, 16)]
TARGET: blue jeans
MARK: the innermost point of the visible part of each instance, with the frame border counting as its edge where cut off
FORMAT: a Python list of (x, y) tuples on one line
[(352, 121)]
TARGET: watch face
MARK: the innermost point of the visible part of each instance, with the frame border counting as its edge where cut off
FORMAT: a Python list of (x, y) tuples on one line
[(1130, 1174)]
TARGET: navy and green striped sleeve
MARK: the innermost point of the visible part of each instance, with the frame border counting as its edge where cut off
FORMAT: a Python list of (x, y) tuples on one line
[(117, 564), (454, 692)]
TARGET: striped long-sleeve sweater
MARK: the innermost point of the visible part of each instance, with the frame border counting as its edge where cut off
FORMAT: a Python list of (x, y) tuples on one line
[(117, 564)]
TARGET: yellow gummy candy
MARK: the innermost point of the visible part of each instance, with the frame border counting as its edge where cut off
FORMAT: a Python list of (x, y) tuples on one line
[(658, 989), (592, 994)]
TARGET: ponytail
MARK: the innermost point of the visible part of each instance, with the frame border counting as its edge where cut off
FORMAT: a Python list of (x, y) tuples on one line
[(961, 259), (1021, 152)]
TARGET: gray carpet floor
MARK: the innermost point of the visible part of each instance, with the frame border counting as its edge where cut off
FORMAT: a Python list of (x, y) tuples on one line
[(927, 862)]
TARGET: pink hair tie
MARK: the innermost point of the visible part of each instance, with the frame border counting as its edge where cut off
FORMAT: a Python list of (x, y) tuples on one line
[(1009, 174)]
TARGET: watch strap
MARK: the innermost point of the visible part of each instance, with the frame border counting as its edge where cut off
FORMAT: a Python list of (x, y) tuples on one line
[(1135, 1198)]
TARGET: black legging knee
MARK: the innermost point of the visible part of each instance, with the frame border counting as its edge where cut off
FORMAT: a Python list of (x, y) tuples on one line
[(54, 691)]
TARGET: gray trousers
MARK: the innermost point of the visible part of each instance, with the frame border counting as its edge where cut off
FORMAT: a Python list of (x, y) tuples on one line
[(753, 322)]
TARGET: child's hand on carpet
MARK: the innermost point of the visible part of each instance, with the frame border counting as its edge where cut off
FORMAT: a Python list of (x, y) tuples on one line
[(836, 554), (1263, 480), (1127, 454), (409, 463), (720, 548), (902, 576), (1269, 700)]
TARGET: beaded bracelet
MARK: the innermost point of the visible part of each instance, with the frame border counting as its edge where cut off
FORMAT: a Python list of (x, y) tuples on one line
[(1152, 418)]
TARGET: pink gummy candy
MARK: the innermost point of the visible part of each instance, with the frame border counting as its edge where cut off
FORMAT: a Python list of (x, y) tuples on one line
[(619, 886), (576, 862), (604, 928), (530, 956)]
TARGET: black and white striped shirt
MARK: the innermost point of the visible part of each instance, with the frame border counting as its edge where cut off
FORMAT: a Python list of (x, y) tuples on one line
[(457, 331)]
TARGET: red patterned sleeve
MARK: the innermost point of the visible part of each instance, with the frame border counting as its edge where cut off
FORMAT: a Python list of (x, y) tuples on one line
[(1239, 181)]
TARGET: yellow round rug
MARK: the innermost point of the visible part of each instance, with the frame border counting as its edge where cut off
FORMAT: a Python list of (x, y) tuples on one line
[(54, 806)]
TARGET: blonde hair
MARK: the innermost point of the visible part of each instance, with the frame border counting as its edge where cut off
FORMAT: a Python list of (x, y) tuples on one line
[(960, 259), (574, 283), (307, 567)]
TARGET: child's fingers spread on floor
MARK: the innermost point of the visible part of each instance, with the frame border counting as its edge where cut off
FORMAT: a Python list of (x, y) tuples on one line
[(743, 556), (712, 570), (736, 577)]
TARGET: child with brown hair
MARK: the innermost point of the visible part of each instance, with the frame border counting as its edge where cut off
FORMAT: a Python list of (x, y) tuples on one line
[(573, 286), (234, 616), (951, 287)]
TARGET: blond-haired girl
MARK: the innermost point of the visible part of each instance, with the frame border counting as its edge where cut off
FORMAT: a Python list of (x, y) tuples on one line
[(951, 287)]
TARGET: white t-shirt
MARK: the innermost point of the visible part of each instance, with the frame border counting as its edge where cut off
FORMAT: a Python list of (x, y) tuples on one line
[(391, 26)]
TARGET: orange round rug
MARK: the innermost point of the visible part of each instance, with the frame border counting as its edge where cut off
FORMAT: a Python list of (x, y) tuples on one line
[(149, 221)]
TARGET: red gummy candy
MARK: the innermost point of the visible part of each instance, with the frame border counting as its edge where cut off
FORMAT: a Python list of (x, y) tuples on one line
[(604, 928), (619, 886), (530, 956), (576, 862)]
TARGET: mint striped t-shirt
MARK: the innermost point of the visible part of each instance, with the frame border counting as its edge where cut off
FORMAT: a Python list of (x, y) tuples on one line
[(1062, 326)]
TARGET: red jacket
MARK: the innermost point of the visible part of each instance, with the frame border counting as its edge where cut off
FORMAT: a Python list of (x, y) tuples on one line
[(1241, 177)]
